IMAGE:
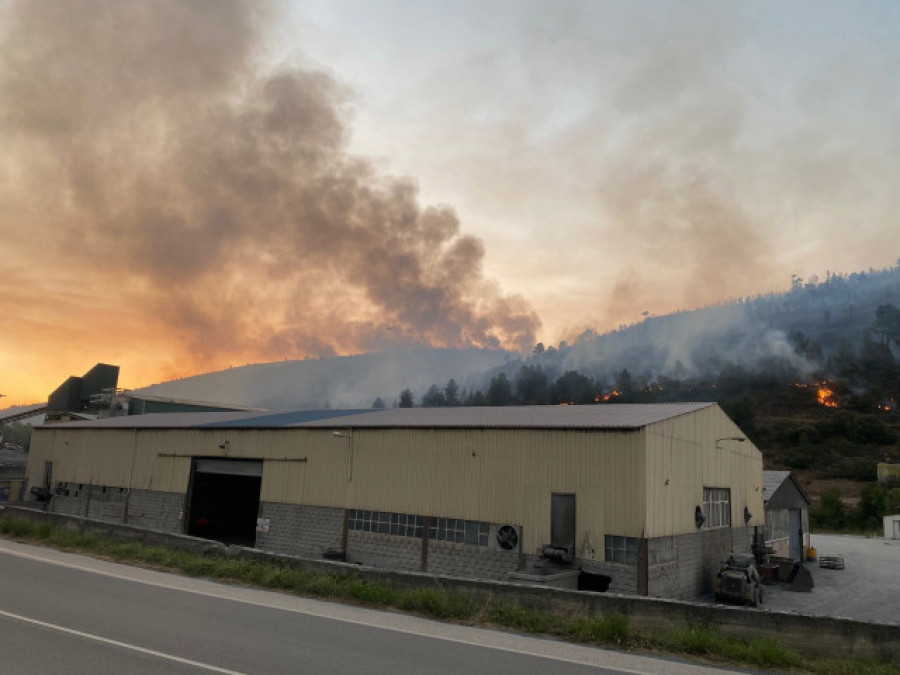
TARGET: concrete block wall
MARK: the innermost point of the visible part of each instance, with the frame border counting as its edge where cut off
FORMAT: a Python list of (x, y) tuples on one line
[(475, 562), (154, 510), (301, 530), (144, 508), (684, 567), (69, 506), (384, 550), (109, 512), (105, 503)]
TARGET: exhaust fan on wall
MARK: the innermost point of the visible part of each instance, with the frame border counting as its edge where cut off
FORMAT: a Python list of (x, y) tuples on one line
[(507, 537)]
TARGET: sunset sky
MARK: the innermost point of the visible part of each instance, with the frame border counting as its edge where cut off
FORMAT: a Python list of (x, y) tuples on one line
[(190, 185)]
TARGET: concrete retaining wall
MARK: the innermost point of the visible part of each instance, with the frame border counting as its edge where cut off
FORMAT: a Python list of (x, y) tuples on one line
[(111, 530), (815, 636)]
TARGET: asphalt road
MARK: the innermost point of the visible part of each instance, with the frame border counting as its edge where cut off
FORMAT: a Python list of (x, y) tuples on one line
[(61, 612)]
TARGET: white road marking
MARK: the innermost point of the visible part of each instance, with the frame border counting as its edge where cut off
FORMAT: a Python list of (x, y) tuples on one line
[(413, 625), (117, 643)]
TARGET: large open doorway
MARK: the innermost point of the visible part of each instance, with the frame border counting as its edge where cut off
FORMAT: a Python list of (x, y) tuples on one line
[(225, 500)]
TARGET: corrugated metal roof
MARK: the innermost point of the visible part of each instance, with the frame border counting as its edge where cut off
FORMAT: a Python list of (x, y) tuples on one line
[(287, 419), (611, 416), (21, 412), (158, 420), (218, 407)]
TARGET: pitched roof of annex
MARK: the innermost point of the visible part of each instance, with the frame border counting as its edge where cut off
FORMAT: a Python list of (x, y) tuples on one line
[(773, 480), (618, 416)]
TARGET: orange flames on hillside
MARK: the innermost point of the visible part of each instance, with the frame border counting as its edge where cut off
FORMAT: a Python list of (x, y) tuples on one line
[(599, 398), (824, 393), (603, 398), (825, 396)]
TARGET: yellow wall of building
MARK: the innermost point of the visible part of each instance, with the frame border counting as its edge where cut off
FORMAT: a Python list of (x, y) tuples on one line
[(688, 453), (643, 483), (499, 476)]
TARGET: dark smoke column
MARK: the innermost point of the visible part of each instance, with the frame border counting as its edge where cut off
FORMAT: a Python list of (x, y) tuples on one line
[(219, 198)]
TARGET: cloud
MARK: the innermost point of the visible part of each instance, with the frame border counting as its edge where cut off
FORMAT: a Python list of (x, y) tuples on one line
[(152, 159)]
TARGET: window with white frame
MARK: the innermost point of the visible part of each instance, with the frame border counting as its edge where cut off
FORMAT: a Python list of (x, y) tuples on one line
[(620, 549), (407, 525), (459, 531), (717, 507)]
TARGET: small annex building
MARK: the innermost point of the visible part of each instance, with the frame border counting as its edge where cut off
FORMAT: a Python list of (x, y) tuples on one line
[(639, 498), (787, 515)]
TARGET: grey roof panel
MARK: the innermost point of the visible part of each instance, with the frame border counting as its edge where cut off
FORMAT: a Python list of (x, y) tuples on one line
[(772, 480), (22, 411), (610, 416), (286, 419), (172, 420)]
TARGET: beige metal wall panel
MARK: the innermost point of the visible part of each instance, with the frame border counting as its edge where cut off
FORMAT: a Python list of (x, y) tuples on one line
[(503, 476), (492, 475), (163, 457), (283, 482), (688, 453), (41, 450), (629, 483), (97, 457)]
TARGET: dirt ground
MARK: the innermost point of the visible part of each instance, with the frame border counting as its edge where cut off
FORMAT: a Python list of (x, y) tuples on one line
[(867, 589)]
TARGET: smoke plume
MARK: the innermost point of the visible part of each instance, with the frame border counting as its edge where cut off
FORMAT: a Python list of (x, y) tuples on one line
[(155, 167)]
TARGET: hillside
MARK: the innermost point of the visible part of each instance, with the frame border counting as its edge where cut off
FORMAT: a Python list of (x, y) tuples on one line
[(339, 382), (811, 375)]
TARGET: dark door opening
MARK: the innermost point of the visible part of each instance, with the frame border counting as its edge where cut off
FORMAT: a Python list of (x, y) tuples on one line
[(596, 583), (562, 523), (225, 501)]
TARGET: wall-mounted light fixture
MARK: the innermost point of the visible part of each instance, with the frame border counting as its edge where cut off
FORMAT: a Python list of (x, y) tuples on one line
[(738, 439), (747, 515), (699, 518), (225, 446)]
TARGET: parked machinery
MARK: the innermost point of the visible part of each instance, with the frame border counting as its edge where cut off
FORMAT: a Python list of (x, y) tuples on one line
[(738, 581)]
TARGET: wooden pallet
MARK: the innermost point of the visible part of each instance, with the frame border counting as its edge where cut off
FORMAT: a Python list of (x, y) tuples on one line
[(831, 562)]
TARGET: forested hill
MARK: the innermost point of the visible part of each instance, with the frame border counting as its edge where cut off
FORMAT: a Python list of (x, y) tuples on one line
[(811, 375)]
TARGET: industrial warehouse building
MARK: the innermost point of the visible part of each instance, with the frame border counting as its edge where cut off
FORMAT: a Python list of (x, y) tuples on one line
[(644, 499)]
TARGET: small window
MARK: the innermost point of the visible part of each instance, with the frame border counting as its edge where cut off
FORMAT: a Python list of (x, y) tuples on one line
[(459, 531), (407, 525), (620, 549), (717, 507)]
